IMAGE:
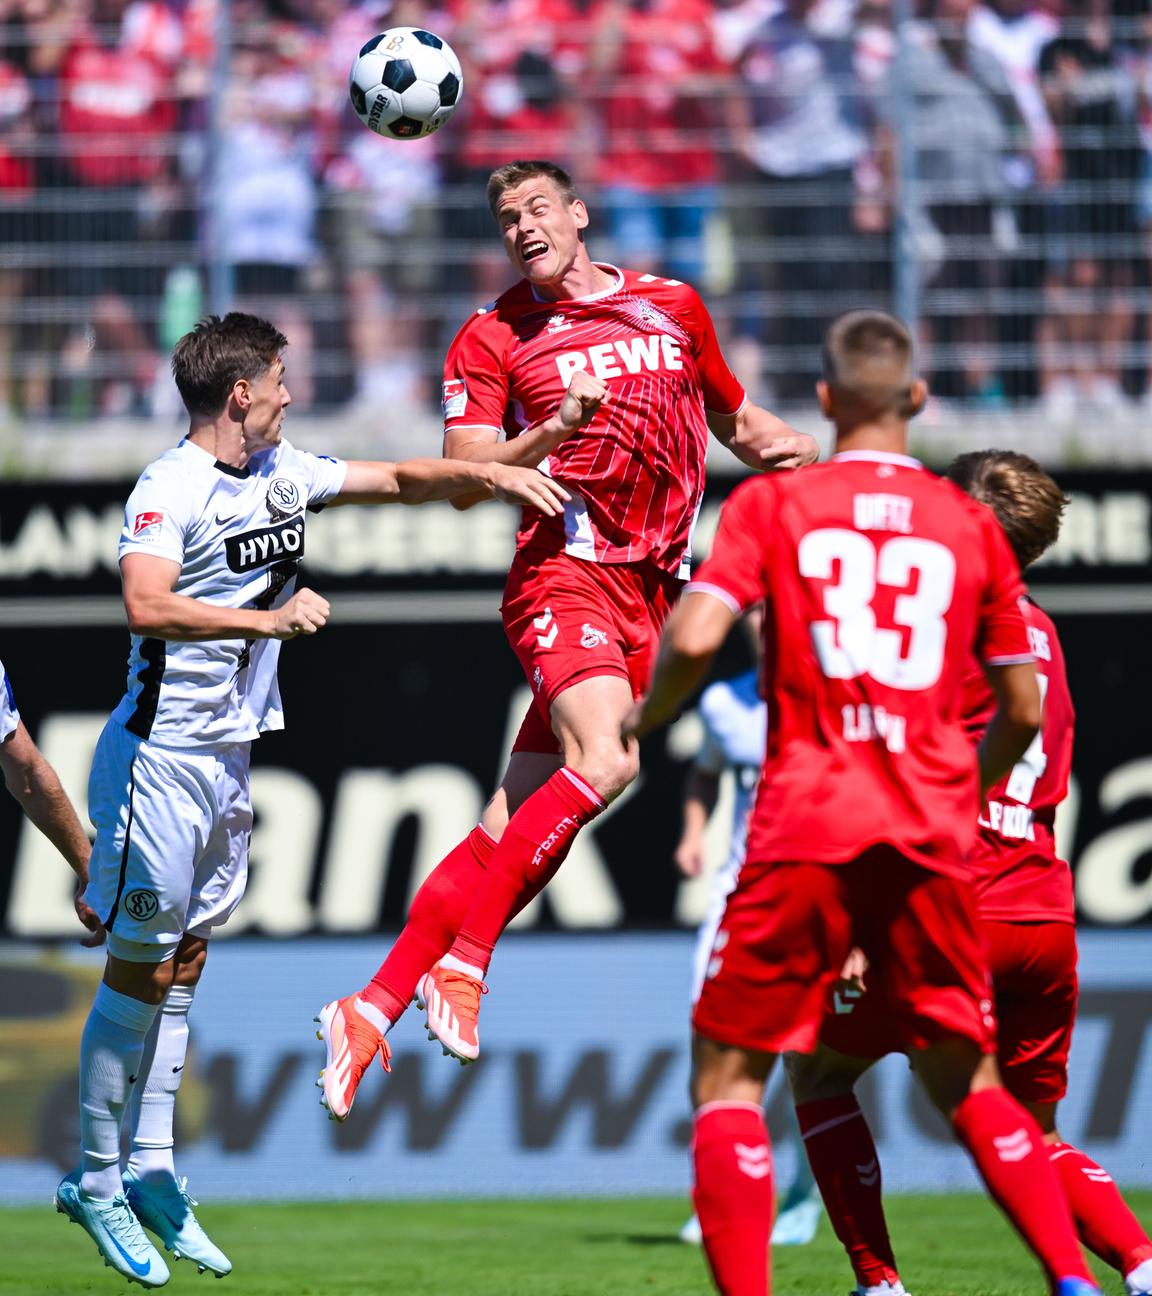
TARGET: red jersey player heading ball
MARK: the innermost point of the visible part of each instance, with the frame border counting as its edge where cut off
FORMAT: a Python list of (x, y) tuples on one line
[(610, 381), (879, 582)]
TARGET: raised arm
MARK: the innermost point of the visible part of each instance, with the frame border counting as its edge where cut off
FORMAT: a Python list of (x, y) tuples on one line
[(418, 481), (761, 440), (156, 611), (36, 787)]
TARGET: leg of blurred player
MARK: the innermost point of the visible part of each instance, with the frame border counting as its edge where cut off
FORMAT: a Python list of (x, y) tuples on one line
[(732, 1161), (844, 1162), (1104, 1220)]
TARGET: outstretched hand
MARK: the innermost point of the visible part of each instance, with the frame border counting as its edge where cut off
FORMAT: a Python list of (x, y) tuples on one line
[(796, 450), (530, 487)]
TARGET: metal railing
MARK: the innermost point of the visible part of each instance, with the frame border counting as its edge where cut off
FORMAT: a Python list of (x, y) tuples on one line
[(987, 177)]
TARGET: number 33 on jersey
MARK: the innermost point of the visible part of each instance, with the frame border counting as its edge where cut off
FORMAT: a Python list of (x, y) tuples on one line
[(881, 582)]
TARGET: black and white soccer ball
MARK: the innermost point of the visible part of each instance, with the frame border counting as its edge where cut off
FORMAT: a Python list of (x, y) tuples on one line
[(405, 83)]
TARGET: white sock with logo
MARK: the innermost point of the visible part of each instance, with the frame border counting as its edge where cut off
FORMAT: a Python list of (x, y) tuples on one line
[(153, 1105), (110, 1052)]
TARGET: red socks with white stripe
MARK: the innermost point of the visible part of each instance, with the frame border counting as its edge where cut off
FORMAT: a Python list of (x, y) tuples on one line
[(847, 1171), (438, 909), (1008, 1148), (1102, 1216), (534, 845), (733, 1194)]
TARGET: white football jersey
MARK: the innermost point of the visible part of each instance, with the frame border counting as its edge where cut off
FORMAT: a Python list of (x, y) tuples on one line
[(735, 727), (238, 535), (9, 716)]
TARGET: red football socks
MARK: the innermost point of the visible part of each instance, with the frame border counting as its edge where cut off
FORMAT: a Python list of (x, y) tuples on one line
[(847, 1171), (733, 1195), (1008, 1148), (438, 909), (1105, 1223), (534, 845)]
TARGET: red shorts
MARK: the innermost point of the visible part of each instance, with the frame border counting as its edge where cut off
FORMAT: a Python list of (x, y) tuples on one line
[(569, 620), (789, 927), (1033, 969), (1034, 976)]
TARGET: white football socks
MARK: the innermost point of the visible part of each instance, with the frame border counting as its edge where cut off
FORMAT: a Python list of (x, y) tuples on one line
[(153, 1105), (1139, 1280), (110, 1052)]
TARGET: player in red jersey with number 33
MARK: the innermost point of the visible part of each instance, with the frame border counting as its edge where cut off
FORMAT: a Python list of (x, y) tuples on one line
[(611, 382), (880, 582)]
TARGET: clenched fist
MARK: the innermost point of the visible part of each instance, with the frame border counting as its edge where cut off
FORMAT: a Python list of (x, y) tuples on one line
[(304, 613)]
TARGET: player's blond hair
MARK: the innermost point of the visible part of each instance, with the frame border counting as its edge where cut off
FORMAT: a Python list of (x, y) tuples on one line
[(512, 174), (1027, 502), (208, 361), (868, 363)]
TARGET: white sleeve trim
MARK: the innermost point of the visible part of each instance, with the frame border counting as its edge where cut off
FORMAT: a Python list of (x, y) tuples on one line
[(1017, 660), (717, 591), (152, 550), (468, 427)]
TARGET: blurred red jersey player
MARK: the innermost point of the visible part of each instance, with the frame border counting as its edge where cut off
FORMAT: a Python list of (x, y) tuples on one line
[(1024, 898), (880, 582), (611, 382)]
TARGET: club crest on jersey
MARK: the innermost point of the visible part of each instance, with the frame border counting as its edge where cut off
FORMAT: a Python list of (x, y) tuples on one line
[(283, 498), (455, 397), (147, 526), (591, 637)]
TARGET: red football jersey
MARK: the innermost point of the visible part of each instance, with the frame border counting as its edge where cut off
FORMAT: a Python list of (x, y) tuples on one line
[(881, 582), (636, 472), (1016, 872)]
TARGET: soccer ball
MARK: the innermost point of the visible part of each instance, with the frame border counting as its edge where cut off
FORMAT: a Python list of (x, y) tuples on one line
[(405, 83)]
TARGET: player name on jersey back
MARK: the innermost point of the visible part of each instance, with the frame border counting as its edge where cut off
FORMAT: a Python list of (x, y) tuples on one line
[(879, 581)]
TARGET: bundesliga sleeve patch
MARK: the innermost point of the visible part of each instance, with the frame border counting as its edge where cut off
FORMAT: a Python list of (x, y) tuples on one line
[(147, 526), (455, 397)]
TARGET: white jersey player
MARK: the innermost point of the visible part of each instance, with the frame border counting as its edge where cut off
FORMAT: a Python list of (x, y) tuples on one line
[(735, 722), (213, 535)]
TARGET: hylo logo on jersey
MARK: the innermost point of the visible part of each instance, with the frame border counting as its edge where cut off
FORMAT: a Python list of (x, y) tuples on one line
[(254, 549), (455, 397), (652, 352), (147, 526), (141, 905), (591, 637), (283, 498)]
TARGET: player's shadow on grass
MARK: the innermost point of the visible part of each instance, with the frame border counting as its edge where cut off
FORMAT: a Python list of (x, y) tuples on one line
[(634, 1239)]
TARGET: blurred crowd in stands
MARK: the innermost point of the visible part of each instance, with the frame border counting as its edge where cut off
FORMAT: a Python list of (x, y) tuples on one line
[(752, 147)]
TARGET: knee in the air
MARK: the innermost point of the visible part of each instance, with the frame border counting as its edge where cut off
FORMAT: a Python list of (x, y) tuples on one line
[(610, 769)]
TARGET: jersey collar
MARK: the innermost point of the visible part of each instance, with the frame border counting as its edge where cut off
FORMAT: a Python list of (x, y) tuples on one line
[(876, 456), (607, 292), (230, 469)]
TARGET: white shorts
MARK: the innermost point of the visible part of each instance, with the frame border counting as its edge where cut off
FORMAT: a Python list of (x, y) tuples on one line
[(723, 884), (171, 852)]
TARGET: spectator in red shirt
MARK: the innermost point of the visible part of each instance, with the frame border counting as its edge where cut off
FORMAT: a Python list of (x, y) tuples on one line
[(659, 79)]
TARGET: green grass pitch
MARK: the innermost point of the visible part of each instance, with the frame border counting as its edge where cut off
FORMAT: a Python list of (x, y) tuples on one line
[(947, 1246)]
